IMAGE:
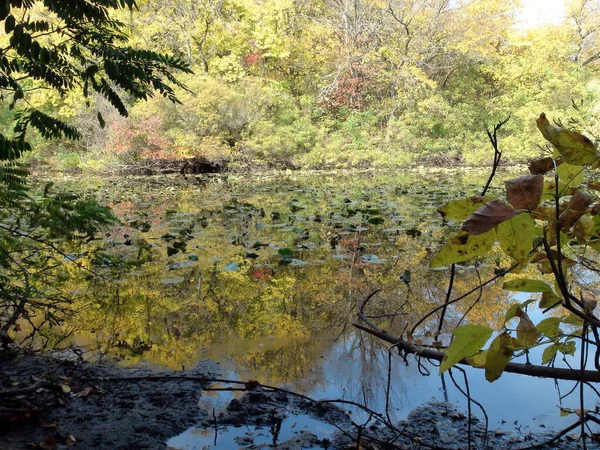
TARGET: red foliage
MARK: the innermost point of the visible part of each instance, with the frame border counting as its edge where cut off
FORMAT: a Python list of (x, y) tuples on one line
[(252, 58), (143, 140)]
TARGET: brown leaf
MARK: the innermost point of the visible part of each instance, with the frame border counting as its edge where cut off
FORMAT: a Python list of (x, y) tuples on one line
[(595, 209), (525, 192), (541, 166), (595, 185), (487, 217), (576, 208)]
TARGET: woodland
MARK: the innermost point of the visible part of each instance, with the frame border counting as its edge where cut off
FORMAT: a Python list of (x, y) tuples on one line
[(507, 281)]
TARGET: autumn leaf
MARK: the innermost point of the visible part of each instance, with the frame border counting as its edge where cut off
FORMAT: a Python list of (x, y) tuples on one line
[(467, 341), (526, 285), (487, 217), (527, 333), (541, 166), (574, 147), (576, 208), (549, 327), (516, 236), (460, 209), (498, 356), (463, 247), (525, 192)]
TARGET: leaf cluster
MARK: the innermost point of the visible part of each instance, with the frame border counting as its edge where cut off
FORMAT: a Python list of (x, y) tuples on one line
[(546, 216)]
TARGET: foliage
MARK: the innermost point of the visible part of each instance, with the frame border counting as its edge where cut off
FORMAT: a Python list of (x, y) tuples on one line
[(548, 219), (60, 47)]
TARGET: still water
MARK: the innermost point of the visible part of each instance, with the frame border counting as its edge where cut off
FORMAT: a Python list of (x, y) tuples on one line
[(264, 274)]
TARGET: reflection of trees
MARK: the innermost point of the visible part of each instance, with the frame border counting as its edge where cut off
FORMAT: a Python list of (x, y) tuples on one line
[(179, 305)]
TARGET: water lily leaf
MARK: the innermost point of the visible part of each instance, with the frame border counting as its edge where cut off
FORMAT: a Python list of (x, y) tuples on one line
[(463, 247), (462, 208), (231, 267), (467, 341), (498, 356), (526, 285), (487, 217), (525, 192), (516, 236), (372, 259), (376, 220), (172, 280), (574, 147), (286, 253)]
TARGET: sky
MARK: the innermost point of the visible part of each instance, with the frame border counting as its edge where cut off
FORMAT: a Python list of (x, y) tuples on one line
[(542, 12)]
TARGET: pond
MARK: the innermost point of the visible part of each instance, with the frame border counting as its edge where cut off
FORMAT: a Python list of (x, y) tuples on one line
[(264, 273)]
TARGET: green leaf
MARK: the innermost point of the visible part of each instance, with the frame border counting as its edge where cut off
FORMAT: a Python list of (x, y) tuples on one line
[(549, 327), (569, 175), (467, 341), (463, 247), (461, 209), (549, 353), (573, 319), (498, 356), (526, 285), (516, 236)]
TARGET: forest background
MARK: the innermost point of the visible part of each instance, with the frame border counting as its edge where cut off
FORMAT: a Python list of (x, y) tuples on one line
[(338, 83)]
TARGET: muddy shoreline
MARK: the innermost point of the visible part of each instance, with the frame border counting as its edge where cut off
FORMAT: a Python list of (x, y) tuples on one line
[(52, 403)]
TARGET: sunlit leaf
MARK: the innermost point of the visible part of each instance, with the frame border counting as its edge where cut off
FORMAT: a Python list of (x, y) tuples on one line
[(516, 236), (525, 192), (574, 147), (487, 217), (569, 175), (527, 333), (467, 341), (549, 327), (462, 208), (526, 285), (478, 359), (498, 356), (573, 319), (462, 248)]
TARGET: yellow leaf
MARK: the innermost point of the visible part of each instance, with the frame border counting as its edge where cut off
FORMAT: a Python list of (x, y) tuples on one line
[(463, 247), (516, 236), (462, 208), (498, 355)]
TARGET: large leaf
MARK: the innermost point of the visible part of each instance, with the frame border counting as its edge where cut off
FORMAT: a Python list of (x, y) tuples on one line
[(526, 285), (525, 192), (467, 341), (575, 148), (569, 175), (549, 327), (516, 236), (498, 356), (463, 247), (487, 217), (462, 208), (541, 166)]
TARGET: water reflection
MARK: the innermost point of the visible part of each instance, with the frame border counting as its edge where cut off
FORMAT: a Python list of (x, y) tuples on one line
[(264, 274)]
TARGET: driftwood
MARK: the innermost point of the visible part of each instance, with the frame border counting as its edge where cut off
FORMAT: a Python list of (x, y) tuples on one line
[(430, 353)]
